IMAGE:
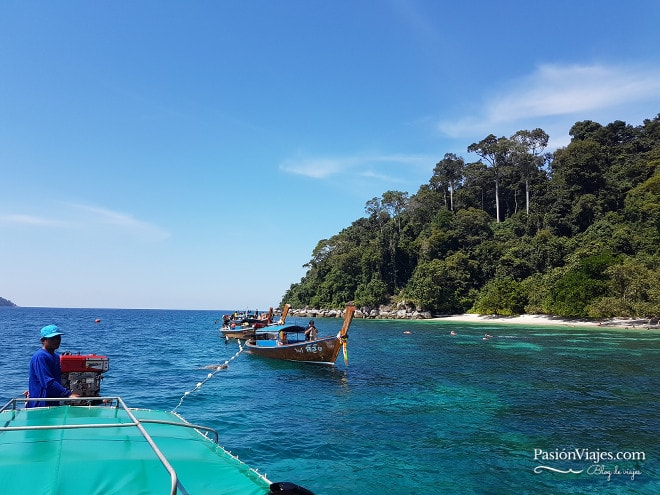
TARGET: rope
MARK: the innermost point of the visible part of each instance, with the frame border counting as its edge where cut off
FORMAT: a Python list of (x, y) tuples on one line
[(217, 368)]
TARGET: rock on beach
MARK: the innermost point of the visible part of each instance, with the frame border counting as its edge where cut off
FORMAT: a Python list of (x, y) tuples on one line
[(382, 313)]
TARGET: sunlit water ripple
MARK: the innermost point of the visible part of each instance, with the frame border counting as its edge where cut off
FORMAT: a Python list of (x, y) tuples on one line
[(417, 412)]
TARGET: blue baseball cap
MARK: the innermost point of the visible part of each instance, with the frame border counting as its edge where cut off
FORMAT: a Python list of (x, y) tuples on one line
[(50, 331)]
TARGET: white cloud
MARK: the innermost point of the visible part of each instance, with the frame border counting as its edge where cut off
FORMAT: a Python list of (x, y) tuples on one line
[(315, 168), (561, 91), (93, 216), (29, 220), (378, 166), (123, 221)]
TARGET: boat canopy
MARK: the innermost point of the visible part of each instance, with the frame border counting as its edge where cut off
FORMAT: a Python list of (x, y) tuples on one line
[(109, 448)]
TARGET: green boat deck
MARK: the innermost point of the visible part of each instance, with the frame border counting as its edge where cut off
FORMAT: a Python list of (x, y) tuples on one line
[(110, 449)]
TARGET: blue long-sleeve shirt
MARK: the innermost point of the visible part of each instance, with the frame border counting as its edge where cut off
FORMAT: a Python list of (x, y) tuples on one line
[(45, 378)]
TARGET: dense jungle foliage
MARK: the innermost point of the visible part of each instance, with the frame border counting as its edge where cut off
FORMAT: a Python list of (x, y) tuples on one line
[(573, 233)]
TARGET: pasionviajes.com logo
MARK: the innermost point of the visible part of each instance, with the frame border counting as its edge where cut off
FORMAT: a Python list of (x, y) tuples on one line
[(595, 462)]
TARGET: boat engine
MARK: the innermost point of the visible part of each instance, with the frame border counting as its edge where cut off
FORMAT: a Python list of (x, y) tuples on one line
[(82, 374)]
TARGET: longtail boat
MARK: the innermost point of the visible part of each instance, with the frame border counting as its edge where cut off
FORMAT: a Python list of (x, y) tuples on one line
[(287, 342), (245, 328)]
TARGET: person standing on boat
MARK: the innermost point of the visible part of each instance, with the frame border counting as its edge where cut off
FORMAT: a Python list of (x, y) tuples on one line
[(45, 371), (311, 333)]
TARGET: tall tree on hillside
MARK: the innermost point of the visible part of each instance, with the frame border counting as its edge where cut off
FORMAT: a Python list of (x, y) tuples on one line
[(424, 205), (585, 129), (476, 179), (580, 168), (495, 151), (395, 203), (377, 213), (527, 155), (448, 174)]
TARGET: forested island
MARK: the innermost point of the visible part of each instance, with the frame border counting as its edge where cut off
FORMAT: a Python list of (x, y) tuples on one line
[(572, 233), (6, 302)]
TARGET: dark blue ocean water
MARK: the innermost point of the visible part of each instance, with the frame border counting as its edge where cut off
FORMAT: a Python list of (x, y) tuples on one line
[(418, 412)]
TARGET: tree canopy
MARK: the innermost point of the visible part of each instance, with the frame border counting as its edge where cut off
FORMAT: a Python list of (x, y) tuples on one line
[(572, 233)]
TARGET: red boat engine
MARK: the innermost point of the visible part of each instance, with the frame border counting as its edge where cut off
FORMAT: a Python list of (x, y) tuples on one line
[(82, 374)]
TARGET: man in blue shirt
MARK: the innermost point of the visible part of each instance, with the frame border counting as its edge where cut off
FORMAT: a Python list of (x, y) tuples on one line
[(45, 370)]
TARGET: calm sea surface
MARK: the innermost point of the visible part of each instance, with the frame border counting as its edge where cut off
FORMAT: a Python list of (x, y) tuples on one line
[(416, 411)]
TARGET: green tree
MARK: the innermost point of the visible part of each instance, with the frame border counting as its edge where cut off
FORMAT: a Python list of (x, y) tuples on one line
[(632, 291), (580, 285), (377, 213), (471, 227), (447, 175), (580, 168), (424, 206), (495, 151), (442, 286), (500, 296), (395, 203), (373, 293), (475, 191), (527, 151)]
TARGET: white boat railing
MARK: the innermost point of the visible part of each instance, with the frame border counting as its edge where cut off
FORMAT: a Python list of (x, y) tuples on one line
[(175, 484)]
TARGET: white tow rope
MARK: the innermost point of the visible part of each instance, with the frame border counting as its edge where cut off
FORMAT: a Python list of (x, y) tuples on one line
[(216, 368)]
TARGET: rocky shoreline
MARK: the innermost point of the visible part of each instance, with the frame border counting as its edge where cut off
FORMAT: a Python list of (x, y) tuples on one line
[(382, 313)]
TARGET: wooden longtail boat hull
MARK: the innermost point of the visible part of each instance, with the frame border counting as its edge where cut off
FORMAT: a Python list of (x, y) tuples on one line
[(320, 351), (238, 333)]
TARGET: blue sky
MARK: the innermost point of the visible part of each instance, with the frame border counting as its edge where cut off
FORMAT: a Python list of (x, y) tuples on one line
[(190, 155)]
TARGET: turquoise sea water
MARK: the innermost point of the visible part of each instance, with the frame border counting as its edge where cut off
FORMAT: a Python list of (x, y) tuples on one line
[(416, 411)]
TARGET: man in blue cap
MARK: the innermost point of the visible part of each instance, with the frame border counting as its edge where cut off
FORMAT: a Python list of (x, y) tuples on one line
[(45, 370)]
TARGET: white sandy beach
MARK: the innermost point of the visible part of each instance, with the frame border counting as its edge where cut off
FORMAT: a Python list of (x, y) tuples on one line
[(623, 323)]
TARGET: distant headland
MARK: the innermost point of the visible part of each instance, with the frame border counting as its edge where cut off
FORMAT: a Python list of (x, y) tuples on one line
[(6, 302)]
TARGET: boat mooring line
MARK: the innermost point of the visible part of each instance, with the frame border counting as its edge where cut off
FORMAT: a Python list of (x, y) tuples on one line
[(217, 368)]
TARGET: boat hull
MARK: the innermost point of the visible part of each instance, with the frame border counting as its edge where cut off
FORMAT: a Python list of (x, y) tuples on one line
[(320, 351), (238, 333)]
